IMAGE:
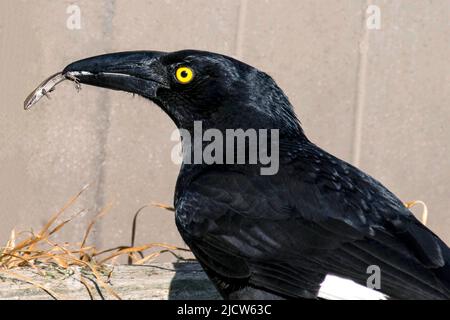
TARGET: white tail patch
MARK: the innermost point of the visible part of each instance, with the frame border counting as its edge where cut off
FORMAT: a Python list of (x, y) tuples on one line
[(335, 288)]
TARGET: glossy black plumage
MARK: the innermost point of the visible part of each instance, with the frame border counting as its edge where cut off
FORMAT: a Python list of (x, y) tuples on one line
[(278, 236)]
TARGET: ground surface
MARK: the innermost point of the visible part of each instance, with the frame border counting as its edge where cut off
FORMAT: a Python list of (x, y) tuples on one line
[(158, 281)]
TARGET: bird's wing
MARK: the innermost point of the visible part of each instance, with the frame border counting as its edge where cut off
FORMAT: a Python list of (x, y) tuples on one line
[(317, 216)]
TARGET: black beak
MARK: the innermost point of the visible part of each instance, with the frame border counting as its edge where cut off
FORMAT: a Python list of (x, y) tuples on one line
[(139, 72)]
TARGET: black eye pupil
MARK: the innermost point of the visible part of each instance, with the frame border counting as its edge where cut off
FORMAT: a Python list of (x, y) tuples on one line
[(184, 74)]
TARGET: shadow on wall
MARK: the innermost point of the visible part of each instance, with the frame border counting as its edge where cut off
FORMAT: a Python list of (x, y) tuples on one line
[(191, 283)]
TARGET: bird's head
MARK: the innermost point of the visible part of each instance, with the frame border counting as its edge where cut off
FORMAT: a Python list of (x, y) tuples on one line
[(189, 86)]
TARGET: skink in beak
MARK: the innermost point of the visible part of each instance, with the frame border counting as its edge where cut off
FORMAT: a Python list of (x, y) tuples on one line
[(139, 72)]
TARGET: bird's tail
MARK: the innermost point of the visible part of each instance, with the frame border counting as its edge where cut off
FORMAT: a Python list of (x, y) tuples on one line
[(434, 254), (443, 273)]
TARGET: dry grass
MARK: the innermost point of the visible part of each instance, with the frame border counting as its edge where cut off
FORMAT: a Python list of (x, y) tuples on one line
[(412, 204), (41, 253)]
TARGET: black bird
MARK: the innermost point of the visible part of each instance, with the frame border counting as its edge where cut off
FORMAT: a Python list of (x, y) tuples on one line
[(274, 236)]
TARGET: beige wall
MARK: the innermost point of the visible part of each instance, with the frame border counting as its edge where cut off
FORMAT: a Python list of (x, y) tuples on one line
[(377, 98)]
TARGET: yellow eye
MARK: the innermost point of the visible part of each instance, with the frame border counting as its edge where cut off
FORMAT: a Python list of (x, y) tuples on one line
[(184, 75)]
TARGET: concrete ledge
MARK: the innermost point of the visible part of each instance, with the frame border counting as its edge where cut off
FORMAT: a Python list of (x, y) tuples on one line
[(174, 281)]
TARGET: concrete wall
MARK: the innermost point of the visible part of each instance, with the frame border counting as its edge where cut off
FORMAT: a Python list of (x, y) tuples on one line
[(377, 98)]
